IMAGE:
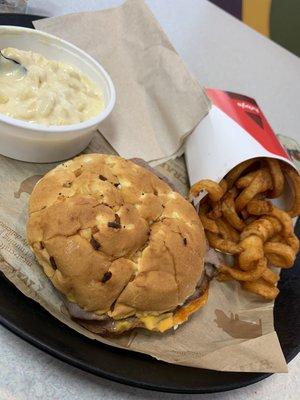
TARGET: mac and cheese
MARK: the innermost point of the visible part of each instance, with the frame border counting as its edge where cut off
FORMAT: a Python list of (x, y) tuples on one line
[(49, 93)]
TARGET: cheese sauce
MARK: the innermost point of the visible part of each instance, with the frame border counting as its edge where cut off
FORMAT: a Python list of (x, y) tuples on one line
[(49, 93)]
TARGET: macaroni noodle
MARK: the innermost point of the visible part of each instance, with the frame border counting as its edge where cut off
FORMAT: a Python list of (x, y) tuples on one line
[(49, 93)]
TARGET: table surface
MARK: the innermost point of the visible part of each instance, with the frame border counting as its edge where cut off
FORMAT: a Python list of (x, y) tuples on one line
[(223, 53)]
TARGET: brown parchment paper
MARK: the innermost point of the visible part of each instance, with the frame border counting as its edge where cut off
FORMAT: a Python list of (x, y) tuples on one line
[(233, 332), (158, 100)]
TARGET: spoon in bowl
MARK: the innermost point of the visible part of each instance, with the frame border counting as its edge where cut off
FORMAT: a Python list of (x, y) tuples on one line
[(9, 65)]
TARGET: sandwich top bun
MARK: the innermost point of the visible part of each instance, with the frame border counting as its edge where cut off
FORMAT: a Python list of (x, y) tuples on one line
[(114, 238)]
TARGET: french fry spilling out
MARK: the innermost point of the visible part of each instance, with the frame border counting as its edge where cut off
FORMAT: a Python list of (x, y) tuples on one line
[(239, 220)]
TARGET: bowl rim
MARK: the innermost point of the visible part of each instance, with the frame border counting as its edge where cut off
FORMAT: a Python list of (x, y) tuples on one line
[(63, 128)]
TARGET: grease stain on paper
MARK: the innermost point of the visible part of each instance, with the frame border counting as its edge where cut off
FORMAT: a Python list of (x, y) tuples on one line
[(236, 327), (27, 185)]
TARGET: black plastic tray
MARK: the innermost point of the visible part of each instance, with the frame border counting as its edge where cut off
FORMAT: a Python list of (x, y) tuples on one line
[(28, 320)]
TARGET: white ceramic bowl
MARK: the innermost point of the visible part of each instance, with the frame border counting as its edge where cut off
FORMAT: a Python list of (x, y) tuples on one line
[(38, 143)]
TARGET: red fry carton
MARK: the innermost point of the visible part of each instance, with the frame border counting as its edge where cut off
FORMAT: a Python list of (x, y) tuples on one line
[(235, 130)]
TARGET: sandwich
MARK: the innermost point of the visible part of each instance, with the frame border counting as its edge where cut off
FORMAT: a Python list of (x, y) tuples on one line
[(122, 247)]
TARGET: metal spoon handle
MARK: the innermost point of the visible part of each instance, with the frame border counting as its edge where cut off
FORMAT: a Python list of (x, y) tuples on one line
[(9, 59), (14, 61)]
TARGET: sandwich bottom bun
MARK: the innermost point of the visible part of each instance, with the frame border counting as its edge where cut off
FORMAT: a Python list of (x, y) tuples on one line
[(124, 249)]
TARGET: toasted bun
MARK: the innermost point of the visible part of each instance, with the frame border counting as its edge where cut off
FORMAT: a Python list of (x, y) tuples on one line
[(114, 238)]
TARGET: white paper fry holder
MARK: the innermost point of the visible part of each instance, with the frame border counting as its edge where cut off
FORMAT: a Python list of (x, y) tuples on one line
[(235, 130)]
